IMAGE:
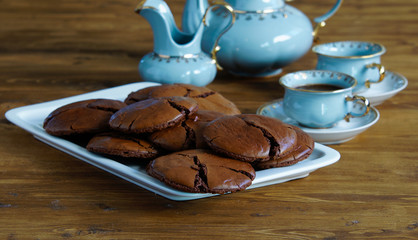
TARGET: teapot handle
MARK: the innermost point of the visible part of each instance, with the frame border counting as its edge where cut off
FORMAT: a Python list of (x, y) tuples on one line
[(216, 46), (320, 21)]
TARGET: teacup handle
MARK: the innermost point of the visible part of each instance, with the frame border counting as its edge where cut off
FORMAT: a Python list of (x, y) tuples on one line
[(382, 73), (354, 99)]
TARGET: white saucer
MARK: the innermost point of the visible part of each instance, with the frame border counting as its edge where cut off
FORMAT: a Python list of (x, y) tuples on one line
[(391, 85), (343, 131)]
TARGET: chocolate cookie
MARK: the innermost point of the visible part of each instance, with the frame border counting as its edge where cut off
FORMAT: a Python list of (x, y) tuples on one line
[(186, 135), (83, 117), (302, 150), (250, 137), (153, 114), (201, 171), (120, 145), (205, 97)]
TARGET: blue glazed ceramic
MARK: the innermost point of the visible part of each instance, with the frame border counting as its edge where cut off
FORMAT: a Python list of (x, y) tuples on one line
[(320, 108), (199, 69), (266, 35), (358, 59), (177, 56)]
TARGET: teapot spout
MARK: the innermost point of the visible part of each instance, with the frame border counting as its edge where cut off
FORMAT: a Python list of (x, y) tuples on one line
[(193, 12)]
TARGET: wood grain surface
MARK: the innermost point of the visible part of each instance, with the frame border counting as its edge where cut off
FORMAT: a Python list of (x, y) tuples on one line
[(54, 49)]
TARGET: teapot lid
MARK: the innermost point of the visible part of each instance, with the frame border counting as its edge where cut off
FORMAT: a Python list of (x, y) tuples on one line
[(255, 5)]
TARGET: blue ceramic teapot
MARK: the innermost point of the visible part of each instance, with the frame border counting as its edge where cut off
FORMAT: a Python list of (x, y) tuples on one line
[(266, 35), (177, 56)]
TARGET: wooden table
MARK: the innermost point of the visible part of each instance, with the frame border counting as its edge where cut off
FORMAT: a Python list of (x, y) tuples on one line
[(54, 49)]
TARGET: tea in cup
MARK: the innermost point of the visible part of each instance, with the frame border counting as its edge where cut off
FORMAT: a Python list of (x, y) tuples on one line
[(320, 99), (358, 59)]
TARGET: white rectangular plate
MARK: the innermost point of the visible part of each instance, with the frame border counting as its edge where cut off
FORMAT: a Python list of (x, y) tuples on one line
[(31, 118)]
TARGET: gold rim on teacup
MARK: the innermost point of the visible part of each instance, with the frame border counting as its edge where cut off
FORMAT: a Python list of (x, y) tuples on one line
[(341, 75), (382, 50)]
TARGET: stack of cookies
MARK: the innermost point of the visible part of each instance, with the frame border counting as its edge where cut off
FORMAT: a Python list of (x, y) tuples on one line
[(191, 138)]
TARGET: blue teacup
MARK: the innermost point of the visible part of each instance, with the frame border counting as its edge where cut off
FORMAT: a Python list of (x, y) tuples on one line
[(358, 59), (319, 99)]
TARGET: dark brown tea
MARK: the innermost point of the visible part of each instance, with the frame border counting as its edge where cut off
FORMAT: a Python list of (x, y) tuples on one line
[(320, 87)]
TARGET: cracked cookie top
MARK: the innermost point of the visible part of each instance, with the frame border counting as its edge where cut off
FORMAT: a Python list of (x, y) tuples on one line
[(186, 135), (201, 171), (153, 114), (83, 117), (121, 145), (250, 137), (302, 150), (205, 97)]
